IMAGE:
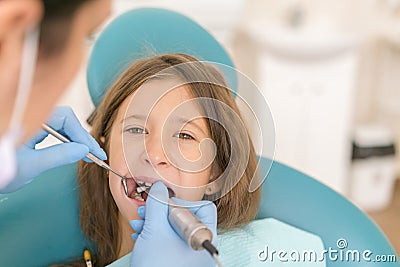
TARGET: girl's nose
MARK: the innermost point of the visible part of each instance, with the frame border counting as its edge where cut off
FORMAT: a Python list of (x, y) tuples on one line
[(154, 153)]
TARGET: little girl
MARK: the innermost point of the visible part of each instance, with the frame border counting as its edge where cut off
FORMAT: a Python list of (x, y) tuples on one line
[(154, 125)]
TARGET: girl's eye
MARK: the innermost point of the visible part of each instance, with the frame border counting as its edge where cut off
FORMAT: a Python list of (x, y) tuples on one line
[(136, 130), (184, 136)]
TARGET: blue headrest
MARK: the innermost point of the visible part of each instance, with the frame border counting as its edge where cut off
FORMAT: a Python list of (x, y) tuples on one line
[(146, 32)]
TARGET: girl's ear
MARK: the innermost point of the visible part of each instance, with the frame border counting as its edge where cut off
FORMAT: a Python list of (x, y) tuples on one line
[(102, 139), (214, 186)]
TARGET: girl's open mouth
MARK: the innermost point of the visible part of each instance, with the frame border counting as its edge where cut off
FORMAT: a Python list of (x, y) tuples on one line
[(139, 190)]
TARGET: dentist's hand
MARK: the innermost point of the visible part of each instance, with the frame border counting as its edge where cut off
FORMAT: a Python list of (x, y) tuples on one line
[(32, 162), (157, 244)]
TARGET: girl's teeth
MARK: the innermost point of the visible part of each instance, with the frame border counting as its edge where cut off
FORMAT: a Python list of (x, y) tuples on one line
[(141, 189), (137, 196)]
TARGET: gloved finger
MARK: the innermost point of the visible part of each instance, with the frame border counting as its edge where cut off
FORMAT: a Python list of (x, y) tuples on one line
[(157, 207), (87, 159), (36, 139), (57, 155), (193, 206), (33, 162), (142, 212), (65, 121), (137, 225), (39, 137), (135, 236), (207, 214)]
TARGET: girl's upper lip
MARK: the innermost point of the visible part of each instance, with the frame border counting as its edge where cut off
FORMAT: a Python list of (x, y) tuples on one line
[(151, 180), (142, 178), (148, 180)]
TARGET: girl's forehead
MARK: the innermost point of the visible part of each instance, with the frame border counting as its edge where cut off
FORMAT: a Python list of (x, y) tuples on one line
[(160, 95)]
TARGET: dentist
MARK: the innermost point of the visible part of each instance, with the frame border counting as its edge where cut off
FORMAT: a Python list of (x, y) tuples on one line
[(41, 47)]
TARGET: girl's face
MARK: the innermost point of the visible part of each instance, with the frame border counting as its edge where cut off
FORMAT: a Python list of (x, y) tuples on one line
[(164, 147)]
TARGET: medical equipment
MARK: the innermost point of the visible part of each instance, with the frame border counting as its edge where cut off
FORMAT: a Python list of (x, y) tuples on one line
[(89, 155), (192, 230), (184, 222)]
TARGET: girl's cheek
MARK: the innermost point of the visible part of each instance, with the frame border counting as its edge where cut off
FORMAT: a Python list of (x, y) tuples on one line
[(189, 194), (189, 151)]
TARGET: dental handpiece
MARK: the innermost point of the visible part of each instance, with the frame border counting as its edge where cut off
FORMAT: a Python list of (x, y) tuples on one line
[(188, 226), (90, 156), (191, 229)]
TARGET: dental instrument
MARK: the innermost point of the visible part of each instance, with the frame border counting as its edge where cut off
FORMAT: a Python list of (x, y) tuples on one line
[(191, 229), (90, 156), (184, 222)]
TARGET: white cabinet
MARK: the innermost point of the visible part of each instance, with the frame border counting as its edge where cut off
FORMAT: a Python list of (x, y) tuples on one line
[(311, 102)]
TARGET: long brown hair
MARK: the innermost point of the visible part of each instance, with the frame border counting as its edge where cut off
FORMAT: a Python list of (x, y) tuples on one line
[(98, 211)]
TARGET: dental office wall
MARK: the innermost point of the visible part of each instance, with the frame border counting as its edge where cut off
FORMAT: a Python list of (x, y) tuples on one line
[(352, 47), (326, 68)]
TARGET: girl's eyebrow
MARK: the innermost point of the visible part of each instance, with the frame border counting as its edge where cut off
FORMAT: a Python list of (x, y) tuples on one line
[(134, 116)]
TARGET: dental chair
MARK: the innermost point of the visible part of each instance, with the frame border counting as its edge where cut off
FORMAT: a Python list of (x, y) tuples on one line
[(39, 225)]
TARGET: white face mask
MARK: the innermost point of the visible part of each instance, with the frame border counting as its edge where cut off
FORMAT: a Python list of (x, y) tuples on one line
[(9, 141)]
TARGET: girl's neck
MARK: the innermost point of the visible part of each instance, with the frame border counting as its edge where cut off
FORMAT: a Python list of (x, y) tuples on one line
[(126, 238)]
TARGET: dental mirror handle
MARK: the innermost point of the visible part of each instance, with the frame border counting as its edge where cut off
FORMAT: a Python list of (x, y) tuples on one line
[(90, 156)]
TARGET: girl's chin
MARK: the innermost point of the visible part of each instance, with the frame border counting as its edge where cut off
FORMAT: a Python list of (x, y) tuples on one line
[(130, 207), (130, 212)]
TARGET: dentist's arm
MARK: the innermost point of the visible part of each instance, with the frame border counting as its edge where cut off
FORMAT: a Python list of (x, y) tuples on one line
[(157, 244), (32, 162)]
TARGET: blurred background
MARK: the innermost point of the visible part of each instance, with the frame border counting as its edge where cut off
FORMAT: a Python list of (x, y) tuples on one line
[(330, 72)]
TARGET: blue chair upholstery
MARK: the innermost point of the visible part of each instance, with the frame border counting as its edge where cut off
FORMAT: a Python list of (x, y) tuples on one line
[(39, 225), (147, 32)]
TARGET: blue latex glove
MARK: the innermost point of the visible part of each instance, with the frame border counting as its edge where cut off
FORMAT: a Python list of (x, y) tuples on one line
[(32, 162), (157, 244)]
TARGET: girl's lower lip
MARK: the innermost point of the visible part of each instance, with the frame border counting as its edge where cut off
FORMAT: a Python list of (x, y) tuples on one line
[(137, 202)]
